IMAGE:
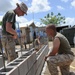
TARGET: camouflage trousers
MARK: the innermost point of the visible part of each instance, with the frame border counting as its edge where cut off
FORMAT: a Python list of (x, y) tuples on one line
[(9, 47), (62, 61)]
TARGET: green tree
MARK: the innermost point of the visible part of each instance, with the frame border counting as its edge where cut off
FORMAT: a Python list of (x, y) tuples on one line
[(53, 19), (0, 22)]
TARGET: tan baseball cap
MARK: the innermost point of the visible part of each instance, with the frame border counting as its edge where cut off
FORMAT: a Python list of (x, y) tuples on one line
[(23, 7)]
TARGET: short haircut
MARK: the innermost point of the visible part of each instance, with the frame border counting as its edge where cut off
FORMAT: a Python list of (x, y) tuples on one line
[(51, 26)]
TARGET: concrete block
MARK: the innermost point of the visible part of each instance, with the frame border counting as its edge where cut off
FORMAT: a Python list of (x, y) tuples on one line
[(40, 57), (1, 61), (13, 64), (33, 70), (4, 71), (40, 67), (23, 67), (31, 60), (30, 63), (14, 71)]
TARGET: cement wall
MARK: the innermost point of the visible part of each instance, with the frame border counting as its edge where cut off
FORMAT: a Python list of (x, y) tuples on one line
[(30, 63), (1, 61)]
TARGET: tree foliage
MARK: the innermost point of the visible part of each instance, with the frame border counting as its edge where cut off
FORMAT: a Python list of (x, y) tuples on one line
[(0, 22), (53, 19)]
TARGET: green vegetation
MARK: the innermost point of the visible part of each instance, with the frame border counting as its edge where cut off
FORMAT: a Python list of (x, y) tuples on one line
[(0, 22), (53, 19)]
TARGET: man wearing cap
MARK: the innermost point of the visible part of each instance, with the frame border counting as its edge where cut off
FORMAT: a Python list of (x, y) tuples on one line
[(8, 32)]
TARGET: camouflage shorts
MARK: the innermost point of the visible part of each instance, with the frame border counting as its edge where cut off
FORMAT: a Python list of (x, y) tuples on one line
[(9, 47), (61, 60)]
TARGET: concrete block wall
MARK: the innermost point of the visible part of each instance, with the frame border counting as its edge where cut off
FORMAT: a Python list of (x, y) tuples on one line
[(24, 66), (28, 64), (40, 60), (1, 61), (38, 65), (13, 71), (19, 65)]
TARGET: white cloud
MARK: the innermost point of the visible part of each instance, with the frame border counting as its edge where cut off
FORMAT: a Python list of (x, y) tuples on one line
[(25, 24), (13, 2), (1, 18), (39, 6), (73, 3), (18, 19), (21, 19), (65, 0), (70, 21), (38, 24), (60, 7), (6, 5)]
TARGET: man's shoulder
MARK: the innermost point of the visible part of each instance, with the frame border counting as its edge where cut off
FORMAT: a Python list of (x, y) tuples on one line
[(59, 35), (11, 12)]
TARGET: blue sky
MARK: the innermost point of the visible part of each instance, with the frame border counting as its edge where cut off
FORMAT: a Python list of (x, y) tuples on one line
[(39, 8)]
